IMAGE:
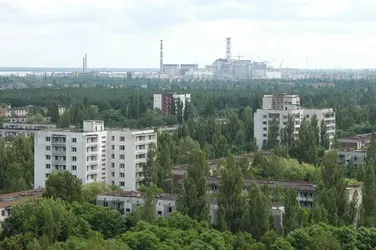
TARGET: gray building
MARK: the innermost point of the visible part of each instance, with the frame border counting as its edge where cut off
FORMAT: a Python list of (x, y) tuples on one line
[(358, 157), (305, 191), (127, 201)]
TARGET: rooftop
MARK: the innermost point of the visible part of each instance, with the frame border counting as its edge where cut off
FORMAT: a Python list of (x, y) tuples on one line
[(10, 199), (137, 194)]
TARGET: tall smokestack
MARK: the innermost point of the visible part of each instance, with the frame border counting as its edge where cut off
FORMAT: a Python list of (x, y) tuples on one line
[(161, 59), (228, 48), (83, 64), (85, 61)]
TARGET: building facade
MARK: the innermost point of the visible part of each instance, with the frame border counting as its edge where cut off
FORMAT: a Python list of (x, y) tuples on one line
[(127, 201), (93, 154), (167, 102), (22, 129), (279, 107)]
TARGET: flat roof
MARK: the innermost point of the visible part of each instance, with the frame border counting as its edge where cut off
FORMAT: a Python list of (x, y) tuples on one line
[(10, 199), (137, 194)]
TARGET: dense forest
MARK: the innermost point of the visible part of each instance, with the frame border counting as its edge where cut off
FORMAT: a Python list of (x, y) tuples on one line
[(68, 219)]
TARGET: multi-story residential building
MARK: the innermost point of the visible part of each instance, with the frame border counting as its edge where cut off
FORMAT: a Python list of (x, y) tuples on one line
[(127, 201), (167, 102), (22, 129), (279, 107), (93, 154)]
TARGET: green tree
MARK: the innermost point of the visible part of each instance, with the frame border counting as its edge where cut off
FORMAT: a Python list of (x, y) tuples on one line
[(324, 137), (287, 133), (44, 217), (273, 133), (192, 200), (256, 218), (306, 147), (371, 150), (53, 111), (230, 196), (290, 217), (63, 185)]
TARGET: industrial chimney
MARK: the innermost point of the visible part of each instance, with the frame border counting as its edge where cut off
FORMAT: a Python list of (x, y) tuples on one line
[(85, 61), (228, 48), (161, 59), (83, 64)]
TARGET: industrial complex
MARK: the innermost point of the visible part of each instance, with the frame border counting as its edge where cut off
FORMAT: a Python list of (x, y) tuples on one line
[(222, 68)]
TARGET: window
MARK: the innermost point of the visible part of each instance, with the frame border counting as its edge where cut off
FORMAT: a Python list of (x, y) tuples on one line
[(74, 167), (122, 147), (170, 209), (112, 165), (113, 138), (139, 156), (127, 210), (122, 138), (47, 175), (159, 212), (74, 140), (48, 157), (122, 175), (113, 174), (74, 149), (122, 165), (122, 157), (113, 147), (48, 138), (265, 116), (264, 122), (265, 129), (74, 158), (48, 166), (48, 148), (122, 184), (113, 156), (105, 204), (112, 183), (3, 212)]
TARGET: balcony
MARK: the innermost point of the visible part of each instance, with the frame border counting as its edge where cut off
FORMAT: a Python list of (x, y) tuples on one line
[(58, 152)]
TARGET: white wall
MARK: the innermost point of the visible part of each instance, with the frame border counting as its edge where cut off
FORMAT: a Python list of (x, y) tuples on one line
[(157, 101)]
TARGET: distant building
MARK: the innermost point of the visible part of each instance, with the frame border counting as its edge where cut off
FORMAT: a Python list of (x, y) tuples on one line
[(7, 201), (358, 157), (167, 102), (127, 201), (306, 191), (280, 106), (356, 142), (93, 154), (22, 129)]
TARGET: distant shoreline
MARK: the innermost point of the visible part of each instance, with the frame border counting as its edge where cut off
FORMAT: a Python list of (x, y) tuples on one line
[(53, 69)]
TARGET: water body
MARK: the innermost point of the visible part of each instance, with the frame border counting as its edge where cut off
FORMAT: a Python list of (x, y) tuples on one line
[(22, 71)]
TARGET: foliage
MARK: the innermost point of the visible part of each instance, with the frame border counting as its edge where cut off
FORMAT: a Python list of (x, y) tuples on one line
[(16, 164), (63, 185)]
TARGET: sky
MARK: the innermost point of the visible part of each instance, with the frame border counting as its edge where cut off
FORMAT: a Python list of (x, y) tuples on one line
[(126, 33)]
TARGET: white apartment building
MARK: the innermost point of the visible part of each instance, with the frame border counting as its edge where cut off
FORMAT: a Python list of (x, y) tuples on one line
[(166, 102), (93, 154), (280, 106)]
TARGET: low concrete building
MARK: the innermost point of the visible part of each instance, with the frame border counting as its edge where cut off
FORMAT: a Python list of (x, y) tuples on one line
[(305, 191), (358, 157), (11, 199), (22, 129), (356, 142), (127, 201)]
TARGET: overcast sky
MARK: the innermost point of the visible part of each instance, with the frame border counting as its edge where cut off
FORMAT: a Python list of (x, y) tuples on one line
[(126, 33)]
